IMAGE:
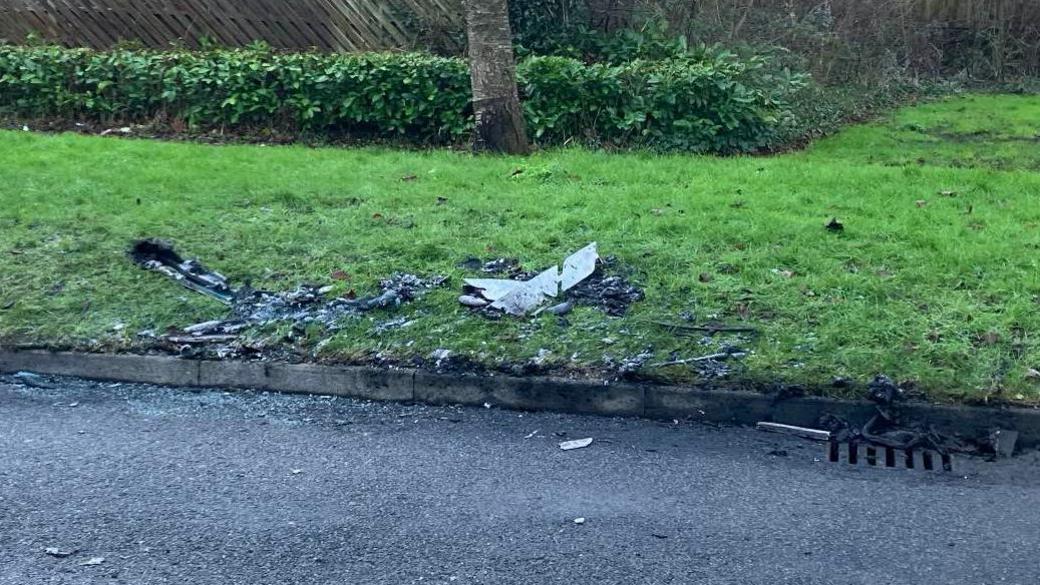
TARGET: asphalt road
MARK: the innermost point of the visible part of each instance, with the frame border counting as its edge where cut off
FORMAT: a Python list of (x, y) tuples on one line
[(178, 486)]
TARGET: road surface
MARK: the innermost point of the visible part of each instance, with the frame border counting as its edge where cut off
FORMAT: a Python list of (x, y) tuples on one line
[(189, 487)]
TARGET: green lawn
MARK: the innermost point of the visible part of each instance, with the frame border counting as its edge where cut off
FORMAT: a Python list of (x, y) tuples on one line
[(934, 280)]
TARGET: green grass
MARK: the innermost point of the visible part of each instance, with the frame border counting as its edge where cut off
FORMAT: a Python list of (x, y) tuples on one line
[(934, 280)]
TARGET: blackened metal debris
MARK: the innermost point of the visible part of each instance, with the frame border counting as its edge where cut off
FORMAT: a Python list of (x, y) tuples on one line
[(159, 255), (306, 305), (886, 428)]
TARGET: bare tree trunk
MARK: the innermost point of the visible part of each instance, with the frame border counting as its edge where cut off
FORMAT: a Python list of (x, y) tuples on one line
[(496, 102)]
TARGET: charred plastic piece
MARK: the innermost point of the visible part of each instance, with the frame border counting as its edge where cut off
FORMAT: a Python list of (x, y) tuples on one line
[(158, 255)]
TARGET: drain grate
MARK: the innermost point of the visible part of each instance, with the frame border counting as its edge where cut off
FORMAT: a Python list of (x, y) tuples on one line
[(887, 457)]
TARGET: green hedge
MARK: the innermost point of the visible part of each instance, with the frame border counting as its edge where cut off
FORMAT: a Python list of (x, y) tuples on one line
[(705, 102)]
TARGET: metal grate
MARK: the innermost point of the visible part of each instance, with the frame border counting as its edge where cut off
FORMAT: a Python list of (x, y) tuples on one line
[(868, 455)]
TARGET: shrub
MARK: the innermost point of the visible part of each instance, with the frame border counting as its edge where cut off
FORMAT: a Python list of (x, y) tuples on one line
[(713, 102), (422, 96), (705, 100)]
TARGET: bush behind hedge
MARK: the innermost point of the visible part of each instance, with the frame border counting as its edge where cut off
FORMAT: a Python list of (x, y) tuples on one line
[(707, 101)]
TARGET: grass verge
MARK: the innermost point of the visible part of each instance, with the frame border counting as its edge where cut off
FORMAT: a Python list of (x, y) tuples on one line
[(933, 281)]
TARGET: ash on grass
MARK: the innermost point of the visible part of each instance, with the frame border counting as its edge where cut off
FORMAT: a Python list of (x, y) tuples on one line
[(884, 295)]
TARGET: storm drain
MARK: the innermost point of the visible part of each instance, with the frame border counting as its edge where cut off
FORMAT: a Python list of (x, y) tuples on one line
[(887, 457)]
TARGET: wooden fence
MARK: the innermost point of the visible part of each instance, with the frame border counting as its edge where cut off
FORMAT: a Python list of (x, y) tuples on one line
[(357, 25), (328, 25)]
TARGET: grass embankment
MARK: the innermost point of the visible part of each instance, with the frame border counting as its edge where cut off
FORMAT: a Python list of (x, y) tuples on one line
[(934, 279)]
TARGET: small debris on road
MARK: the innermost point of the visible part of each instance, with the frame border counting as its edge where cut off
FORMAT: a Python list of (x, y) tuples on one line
[(58, 553), (296, 471), (33, 380), (1004, 442), (576, 444), (93, 561), (805, 433), (532, 434), (579, 521)]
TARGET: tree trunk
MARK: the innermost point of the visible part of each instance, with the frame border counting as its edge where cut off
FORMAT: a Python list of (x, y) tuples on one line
[(496, 102)]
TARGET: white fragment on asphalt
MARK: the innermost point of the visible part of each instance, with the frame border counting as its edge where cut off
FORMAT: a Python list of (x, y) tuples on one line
[(579, 266), (805, 433), (487, 405), (533, 434), (73, 404), (576, 444), (579, 520), (297, 471), (57, 552), (92, 561)]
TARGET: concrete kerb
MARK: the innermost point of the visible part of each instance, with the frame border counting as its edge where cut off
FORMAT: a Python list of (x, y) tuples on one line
[(538, 393)]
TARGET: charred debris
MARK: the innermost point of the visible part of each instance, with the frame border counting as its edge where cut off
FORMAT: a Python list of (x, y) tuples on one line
[(585, 279), (248, 307)]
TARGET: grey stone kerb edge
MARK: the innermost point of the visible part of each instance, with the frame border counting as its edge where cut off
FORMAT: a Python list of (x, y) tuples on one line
[(535, 393)]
